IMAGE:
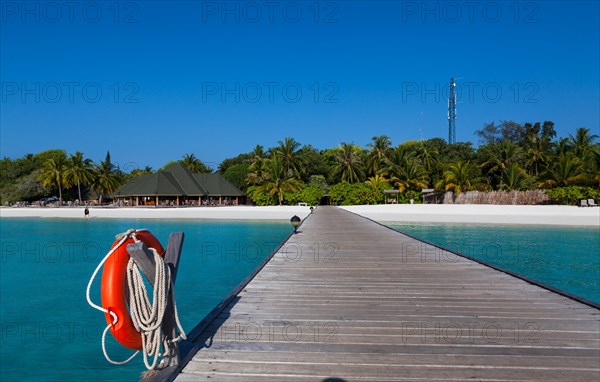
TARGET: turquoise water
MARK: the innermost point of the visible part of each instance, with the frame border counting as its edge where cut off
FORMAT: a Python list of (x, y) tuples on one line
[(567, 258), (49, 333)]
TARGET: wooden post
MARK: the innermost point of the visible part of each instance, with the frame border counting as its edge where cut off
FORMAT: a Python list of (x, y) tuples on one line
[(172, 256), (144, 259), (177, 199)]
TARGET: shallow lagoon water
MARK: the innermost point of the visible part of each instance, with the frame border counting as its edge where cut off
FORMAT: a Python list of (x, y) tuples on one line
[(48, 331), (567, 258)]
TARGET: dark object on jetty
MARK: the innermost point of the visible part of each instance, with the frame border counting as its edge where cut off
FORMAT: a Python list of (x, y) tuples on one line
[(295, 220)]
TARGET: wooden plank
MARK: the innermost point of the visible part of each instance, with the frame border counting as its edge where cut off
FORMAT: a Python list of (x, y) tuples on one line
[(350, 299), (188, 348), (390, 358), (349, 372)]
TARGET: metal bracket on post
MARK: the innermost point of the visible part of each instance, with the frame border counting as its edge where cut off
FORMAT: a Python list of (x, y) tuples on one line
[(144, 259)]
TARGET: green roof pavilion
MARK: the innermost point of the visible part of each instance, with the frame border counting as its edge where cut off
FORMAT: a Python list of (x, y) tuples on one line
[(176, 185)]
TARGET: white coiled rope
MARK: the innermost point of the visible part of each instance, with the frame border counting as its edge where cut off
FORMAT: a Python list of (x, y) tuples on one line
[(147, 317)]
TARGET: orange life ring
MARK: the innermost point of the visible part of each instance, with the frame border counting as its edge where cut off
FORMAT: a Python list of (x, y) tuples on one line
[(114, 287)]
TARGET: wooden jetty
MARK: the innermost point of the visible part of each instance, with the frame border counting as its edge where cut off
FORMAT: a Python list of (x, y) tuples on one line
[(347, 299)]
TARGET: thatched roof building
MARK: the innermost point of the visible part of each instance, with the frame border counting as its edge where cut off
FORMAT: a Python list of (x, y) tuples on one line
[(176, 185)]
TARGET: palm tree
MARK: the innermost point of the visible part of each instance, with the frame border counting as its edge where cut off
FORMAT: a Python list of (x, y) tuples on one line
[(412, 176), (513, 178), (562, 147), (278, 179), (427, 155), (189, 161), (257, 171), (461, 176), (548, 132), (583, 144), (566, 171), (140, 171), (596, 176), (79, 171), (289, 152), (349, 164), (106, 178), (377, 182), (258, 152), (503, 155), (537, 154), (53, 174), (404, 170), (378, 152), (258, 164), (194, 164)]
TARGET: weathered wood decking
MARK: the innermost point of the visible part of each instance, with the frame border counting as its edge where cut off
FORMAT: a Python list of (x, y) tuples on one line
[(349, 299)]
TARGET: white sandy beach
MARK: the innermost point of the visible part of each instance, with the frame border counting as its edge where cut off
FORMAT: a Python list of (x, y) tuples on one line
[(230, 213), (481, 213), (417, 213)]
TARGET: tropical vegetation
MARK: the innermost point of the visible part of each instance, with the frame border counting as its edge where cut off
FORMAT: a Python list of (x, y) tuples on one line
[(509, 156)]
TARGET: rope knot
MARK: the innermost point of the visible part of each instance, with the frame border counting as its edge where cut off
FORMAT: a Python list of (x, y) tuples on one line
[(125, 234)]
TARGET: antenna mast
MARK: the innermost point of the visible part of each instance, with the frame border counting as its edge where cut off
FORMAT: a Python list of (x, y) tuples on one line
[(452, 113)]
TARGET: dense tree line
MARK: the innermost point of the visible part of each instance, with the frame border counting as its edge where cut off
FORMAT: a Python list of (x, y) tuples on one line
[(69, 177), (510, 156), (53, 172)]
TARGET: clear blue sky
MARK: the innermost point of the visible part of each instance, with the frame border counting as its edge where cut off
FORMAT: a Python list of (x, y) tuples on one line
[(215, 78)]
